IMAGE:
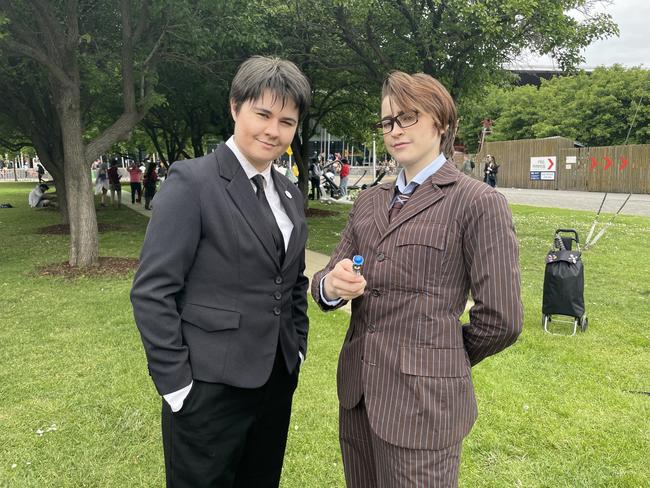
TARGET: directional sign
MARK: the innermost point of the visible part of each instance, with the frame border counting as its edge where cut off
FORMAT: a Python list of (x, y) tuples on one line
[(543, 163)]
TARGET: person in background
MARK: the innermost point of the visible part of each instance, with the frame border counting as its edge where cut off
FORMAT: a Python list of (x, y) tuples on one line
[(468, 165), (101, 183), (135, 180), (315, 173), (36, 198), (405, 368), (150, 181), (41, 171), (490, 171), (162, 172), (343, 177), (114, 184)]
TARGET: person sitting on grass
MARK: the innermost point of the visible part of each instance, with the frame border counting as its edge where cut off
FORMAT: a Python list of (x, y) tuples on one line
[(37, 198)]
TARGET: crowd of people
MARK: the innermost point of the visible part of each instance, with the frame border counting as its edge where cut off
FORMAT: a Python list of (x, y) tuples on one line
[(143, 179)]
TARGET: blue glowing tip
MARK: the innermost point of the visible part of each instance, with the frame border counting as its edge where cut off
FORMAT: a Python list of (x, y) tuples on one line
[(357, 260)]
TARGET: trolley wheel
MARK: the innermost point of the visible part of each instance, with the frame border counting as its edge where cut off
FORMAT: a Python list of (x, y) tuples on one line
[(584, 323)]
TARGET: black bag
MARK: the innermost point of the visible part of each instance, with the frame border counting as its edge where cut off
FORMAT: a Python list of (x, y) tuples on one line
[(564, 284)]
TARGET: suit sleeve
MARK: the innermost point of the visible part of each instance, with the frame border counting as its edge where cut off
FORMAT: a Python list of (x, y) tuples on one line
[(346, 248), (167, 254), (299, 306), (491, 255)]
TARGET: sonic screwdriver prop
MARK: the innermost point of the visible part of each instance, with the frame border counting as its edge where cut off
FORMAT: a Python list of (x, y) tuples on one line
[(357, 264)]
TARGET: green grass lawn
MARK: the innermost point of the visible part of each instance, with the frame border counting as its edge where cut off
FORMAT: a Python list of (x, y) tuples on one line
[(77, 408)]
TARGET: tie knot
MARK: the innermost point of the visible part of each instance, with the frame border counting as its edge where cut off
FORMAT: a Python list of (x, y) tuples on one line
[(258, 181)]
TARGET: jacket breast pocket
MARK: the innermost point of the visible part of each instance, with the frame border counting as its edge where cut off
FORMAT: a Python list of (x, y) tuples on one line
[(420, 248), (210, 319)]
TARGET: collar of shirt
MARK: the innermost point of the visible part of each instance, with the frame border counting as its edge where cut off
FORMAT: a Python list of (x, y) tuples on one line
[(419, 178), (249, 169)]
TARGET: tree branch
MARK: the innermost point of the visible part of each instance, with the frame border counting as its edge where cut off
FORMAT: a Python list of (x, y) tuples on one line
[(56, 71)]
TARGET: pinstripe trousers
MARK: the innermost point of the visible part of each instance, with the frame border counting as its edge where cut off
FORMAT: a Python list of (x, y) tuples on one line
[(370, 462)]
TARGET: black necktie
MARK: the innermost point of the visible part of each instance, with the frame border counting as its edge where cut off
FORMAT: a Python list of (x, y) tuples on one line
[(258, 180)]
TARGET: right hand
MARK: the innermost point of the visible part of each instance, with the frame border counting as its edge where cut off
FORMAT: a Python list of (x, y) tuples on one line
[(343, 282)]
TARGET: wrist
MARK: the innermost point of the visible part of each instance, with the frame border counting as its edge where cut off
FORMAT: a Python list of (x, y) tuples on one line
[(329, 293)]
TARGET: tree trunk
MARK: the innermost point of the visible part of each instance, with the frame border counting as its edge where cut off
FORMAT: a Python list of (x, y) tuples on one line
[(300, 147), (84, 245), (59, 183)]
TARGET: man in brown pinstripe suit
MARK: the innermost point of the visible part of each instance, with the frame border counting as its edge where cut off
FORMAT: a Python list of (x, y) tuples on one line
[(404, 376)]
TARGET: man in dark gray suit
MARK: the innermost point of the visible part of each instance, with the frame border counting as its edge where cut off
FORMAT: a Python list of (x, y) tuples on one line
[(220, 295)]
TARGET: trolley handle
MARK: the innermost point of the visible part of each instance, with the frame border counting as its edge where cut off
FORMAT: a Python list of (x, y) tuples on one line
[(569, 231)]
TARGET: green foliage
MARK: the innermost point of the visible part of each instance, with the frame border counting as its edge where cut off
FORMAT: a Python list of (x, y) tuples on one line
[(597, 109)]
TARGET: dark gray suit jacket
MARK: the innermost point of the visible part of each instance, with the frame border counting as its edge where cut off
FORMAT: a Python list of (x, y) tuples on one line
[(210, 298), (406, 352)]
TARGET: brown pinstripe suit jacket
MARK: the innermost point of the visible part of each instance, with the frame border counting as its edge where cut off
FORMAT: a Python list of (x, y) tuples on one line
[(405, 351)]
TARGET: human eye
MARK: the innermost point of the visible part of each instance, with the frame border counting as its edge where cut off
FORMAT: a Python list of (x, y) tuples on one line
[(386, 124), (407, 118)]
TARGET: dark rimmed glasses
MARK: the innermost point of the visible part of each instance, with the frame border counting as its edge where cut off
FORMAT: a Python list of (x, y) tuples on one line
[(404, 120)]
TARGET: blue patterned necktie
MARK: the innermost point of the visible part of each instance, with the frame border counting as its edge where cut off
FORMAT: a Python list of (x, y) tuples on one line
[(400, 201)]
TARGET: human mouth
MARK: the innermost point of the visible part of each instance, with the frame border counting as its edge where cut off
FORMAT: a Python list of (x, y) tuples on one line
[(267, 145), (400, 145)]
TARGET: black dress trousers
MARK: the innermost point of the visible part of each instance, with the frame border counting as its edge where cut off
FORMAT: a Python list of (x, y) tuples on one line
[(225, 436)]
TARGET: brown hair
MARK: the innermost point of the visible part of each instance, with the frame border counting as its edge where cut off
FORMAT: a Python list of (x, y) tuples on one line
[(426, 94)]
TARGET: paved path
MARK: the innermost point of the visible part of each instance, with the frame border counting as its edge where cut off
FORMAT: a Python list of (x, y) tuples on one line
[(639, 204)]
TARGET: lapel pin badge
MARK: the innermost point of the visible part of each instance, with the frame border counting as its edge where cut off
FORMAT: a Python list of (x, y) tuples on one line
[(286, 192)]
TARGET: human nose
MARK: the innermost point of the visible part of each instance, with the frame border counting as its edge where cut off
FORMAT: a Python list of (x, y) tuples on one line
[(272, 127), (397, 129)]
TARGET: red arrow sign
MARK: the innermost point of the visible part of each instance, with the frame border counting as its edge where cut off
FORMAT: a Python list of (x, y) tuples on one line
[(594, 163), (623, 163), (550, 164), (609, 163)]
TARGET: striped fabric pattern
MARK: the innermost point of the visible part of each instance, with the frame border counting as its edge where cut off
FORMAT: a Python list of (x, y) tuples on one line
[(405, 351), (371, 462)]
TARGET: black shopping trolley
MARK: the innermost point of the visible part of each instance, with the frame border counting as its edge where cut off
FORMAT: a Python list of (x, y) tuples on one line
[(564, 282)]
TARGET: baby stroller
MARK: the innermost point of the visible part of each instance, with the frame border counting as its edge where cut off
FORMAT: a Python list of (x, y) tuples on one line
[(564, 282), (330, 186)]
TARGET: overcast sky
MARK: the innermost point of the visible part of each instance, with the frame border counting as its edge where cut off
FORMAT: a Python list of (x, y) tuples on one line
[(631, 48)]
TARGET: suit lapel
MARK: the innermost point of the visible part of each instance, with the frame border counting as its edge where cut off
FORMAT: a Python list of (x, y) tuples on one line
[(242, 193), (428, 194), (290, 207), (380, 204)]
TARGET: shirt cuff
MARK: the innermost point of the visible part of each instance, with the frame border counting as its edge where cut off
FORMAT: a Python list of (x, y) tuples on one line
[(176, 398), (331, 303), (302, 358)]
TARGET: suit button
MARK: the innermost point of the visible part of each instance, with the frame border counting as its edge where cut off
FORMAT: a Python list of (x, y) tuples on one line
[(276, 311), (278, 280), (371, 329), (375, 292), (277, 295), (380, 257)]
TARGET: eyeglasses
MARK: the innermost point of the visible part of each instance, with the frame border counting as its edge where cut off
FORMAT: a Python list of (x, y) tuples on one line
[(404, 120)]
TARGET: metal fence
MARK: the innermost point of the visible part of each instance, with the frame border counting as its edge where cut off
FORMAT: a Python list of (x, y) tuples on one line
[(21, 174)]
